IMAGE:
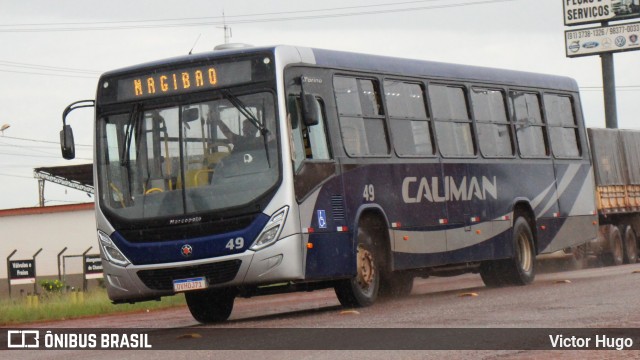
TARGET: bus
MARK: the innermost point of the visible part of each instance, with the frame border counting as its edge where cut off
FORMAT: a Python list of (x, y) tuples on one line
[(262, 170)]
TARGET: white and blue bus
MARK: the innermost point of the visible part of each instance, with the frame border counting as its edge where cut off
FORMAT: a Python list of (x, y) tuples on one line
[(251, 171)]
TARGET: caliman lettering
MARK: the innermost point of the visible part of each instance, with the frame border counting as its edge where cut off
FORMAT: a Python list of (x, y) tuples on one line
[(414, 190)]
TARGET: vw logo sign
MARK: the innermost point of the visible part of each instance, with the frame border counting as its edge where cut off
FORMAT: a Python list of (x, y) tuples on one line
[(186, 250)]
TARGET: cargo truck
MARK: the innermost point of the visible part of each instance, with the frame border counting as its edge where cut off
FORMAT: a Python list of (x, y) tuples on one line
[(616, 163)]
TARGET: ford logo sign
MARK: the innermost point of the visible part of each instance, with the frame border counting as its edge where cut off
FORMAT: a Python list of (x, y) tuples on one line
[(591, 45)]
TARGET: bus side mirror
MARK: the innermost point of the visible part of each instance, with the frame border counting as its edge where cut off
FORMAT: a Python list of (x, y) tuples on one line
[(66, 143), (310, 110), (66, 135)]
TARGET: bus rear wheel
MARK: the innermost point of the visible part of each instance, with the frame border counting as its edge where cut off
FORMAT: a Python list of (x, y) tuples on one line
[(519, 269), (210, 306), (396, 284), (361, 290)]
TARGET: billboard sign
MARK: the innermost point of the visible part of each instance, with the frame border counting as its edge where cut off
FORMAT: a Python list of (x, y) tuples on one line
[(578, 12), (603, 39), (22, 272)]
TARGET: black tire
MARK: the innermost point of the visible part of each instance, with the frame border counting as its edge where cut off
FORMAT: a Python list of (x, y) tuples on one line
[(211, 306), (615, 255), (362, 290), (630, 245), (520, 269), (394, 285), (492, 274)]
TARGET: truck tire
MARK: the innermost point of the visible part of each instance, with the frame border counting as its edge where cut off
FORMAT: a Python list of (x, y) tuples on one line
[(615, 255), (630, 245)]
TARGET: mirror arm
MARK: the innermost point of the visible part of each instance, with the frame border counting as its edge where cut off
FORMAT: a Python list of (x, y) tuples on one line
[(74, 106)]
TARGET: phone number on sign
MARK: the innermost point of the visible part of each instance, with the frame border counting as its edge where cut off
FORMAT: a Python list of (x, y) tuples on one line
[(615, 30)]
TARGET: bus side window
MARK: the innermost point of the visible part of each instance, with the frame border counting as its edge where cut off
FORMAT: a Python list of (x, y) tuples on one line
[(452, 121), (492, 121), (309, 142), (563, 127), (530, 127), (362, 120), (410, 123)]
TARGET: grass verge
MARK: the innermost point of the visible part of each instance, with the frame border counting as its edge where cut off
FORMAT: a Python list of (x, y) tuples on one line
[(61, 306)]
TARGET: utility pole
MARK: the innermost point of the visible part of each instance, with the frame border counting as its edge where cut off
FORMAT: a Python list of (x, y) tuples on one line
[(226, 28), (609, 88)]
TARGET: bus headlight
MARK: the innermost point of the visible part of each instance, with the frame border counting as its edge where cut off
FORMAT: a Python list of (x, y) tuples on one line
[(111, 251), (272, 230)]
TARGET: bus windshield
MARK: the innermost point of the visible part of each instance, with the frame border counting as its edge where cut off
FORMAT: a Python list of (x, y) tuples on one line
[(188, 158)]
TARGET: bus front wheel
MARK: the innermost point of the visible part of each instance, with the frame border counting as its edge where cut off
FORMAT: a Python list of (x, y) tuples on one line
[(210, 306), (361, 290)]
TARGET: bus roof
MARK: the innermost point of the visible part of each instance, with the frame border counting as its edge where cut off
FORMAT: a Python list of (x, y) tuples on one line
[(379, 64), (432, 69)]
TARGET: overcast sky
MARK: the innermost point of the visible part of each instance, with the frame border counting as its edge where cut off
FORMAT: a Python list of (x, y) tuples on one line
[(53, 52)]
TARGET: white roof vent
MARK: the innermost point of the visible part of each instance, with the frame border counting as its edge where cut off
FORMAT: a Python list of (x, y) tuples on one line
[(231, 46)]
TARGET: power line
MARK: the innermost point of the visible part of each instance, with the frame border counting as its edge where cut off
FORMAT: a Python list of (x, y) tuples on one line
[(59, 75), (35, 69), (622, 88), (617, 87), (18, 176), (39, 156), (28, 148), (205, 22), (38, 141), (46, 67), (221, 17)]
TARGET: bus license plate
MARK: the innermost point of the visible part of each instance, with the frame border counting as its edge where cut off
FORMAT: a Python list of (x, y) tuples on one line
[(189, 284)]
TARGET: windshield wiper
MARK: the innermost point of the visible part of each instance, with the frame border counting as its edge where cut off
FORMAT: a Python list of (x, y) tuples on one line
[(238, 104), (128, 137), (244, 110)]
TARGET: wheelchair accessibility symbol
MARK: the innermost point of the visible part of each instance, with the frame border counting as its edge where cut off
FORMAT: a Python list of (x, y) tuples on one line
[(322, 219)]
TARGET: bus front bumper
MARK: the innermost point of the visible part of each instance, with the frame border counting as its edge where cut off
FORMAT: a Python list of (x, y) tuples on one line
[(282, 261)]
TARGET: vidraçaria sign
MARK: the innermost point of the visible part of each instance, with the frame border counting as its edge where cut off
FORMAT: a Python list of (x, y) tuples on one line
[(590, 41), (578, 12)]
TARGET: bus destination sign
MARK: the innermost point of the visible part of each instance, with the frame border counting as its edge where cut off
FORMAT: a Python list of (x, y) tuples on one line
[(180, 81), (578, 12)]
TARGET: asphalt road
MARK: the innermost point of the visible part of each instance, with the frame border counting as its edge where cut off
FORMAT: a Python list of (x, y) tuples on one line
[(589, 298)]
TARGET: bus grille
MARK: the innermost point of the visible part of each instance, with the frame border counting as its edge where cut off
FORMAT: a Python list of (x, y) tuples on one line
[(216, 273)]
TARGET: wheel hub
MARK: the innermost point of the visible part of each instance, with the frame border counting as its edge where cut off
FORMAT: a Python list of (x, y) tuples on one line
[(366, 268), (526, 257)]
